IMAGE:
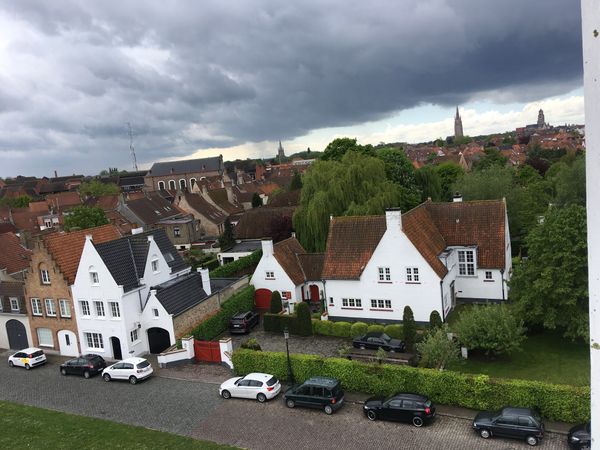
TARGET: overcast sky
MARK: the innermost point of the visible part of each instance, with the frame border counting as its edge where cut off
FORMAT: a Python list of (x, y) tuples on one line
[(234, 77)]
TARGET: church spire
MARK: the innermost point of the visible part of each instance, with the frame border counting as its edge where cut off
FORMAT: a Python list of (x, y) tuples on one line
[(458, 128), (280, 153)]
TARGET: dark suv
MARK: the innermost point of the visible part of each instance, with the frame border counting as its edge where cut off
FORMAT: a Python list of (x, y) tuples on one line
[(403, 407), (243, 322), (317, 392), (86, 365), (519, 423)]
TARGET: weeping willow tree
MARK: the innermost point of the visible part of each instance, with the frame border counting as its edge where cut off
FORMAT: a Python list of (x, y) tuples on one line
[(355, 185)]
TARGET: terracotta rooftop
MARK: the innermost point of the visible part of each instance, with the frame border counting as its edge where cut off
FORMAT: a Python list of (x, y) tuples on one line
[(285, 253), (312, 265), (63, 199), (106, 202), (261, 222), (13, 257), (290, 198), (66, 248), (197, 202)]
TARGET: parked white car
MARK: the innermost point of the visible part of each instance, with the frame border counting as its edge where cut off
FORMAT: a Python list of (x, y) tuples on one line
[(28, 358), (132, 369), (260, 386)]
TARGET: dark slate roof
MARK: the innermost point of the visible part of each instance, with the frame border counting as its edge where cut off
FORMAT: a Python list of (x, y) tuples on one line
[(131, 180), (125, 258), (181, 293), (152, 208), (186, 166)]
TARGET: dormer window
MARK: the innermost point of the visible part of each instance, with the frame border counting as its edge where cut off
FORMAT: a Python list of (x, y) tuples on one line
[(466, 263)]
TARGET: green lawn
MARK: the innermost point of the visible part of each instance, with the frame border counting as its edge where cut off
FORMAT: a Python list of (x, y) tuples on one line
[(544, 357), (27, 426)]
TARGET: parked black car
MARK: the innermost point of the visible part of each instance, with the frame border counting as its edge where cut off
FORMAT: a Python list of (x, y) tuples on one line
[(379, 340), (580, 437), (518, 423), (86, 365), (403, 407), (243, 322), (317, 392)]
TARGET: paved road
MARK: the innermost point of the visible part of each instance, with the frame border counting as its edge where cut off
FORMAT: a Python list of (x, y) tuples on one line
[(195, 409)]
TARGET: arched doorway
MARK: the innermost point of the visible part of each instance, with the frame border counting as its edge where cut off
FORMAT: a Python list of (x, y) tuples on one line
[(17, 336), (115, 343), (262, 298), (158, 339), (67, 343)]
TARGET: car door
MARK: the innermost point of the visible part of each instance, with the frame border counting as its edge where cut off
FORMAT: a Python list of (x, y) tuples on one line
[(18, 359), (244, 389), (117, 371), (302, 396), (77, 366), (317, 397), (505, 426), (407, 411), (525, 425)]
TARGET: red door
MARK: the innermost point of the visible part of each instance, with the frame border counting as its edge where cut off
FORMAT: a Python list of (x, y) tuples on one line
[(314, 293), (262, 298)]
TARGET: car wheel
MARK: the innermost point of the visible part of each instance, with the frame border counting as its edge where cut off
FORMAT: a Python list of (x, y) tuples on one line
[(226, 394), (485, 433), (328, 409), (261, 398), (417, 421), (106, 377), (27, 367), (86, 374), (290, 403), (63, 371), (133, 380), (372, 415), (11, 364), (531, 440)]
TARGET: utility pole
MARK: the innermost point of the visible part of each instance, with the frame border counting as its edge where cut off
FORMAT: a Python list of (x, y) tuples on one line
[(135, 167), (590, 15)]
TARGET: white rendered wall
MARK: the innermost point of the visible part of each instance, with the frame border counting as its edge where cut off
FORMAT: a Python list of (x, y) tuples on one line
[(590, 10), (164, 319), (281, 281)]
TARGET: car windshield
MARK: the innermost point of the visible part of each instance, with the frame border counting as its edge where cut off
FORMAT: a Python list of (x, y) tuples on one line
[(143, 364), (385, 337), (272, 381)]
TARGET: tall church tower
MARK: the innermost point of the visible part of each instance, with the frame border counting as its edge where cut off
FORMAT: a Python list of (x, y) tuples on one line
[(458, 129), (541, 123), (280, 153)]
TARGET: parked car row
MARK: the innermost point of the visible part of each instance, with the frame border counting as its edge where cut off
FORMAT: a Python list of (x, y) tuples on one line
[(326, 394), (130, 369)]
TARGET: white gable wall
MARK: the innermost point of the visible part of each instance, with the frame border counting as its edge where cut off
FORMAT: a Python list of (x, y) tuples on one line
[(164, 319), (280, 282)]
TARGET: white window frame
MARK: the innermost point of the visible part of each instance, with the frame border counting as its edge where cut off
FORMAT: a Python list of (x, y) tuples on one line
[(466, 263), (45, 276), (42, 339), (385, 274), (50, 307), (489, 276), (161, 185), (351, 303), (84, 306), (14, 304), (269, 275), (36, 306), (154, 264), (115, 310), (182, 184), (65, 308), (155, 312), (172, 185), (94, 340), (94, 279), (133, 335), (412, 275), (99, 309)]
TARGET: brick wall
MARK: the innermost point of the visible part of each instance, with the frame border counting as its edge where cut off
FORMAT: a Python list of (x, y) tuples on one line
[(186, 322)]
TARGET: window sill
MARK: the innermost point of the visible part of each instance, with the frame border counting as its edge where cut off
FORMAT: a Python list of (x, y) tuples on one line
[(412, 282), (51, 315), (35, 315), (385, 282), (115, 318), (352, 307), (46, 345), (65, 317), (381, 309), (269, 279), (489, 281)]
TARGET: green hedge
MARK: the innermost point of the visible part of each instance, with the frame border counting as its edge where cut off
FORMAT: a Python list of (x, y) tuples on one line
[(375, 328), (217, 324), (555, 402), (394, 331), (231, 269), (275, 323), (322, 327), (358, 329)]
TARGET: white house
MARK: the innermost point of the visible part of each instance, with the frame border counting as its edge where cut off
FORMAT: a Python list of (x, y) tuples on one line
[(426, 258), (112, 287), (287, 268), (239, 250)]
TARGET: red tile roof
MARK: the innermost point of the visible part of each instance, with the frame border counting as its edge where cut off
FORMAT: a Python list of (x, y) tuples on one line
[(209, 211), (312, 265), (63, 199), (285, 253), (66, 248), (13, 257)]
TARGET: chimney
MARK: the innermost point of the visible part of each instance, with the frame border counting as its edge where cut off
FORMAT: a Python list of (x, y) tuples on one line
[(457, 197), (393, 219), (205, 280), (55, 174), (267, 247), (150, 238), (88, 237)]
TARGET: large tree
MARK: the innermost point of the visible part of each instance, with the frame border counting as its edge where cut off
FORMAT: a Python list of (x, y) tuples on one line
[(96, 188), (492, 157), (82, 217), (356, 185), (227, 240), (448, 172), (568, 182), (429, 182), (550, 288), (337, 148)]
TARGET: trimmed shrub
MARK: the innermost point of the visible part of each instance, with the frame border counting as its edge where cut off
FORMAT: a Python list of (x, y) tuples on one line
[(218, 323), (394, 331), (358, 329), (375, 328), (436, 350), (232, 269), (341, 329), (276, 306), (303, 321), (251, 344), (322, 327), (409, 327), (435, 321), (275, 323), (555, 402)]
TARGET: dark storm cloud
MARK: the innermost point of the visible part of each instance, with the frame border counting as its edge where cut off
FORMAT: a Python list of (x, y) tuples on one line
[(190, 75)]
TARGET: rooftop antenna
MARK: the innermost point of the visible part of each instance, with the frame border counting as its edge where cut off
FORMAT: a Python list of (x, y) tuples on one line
[(135, 167)]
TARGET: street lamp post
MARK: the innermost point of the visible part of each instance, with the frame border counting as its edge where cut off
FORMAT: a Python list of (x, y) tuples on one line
[(286, 335)]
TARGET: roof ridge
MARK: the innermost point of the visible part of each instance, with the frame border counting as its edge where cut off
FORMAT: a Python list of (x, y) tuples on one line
[(300, 265)]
